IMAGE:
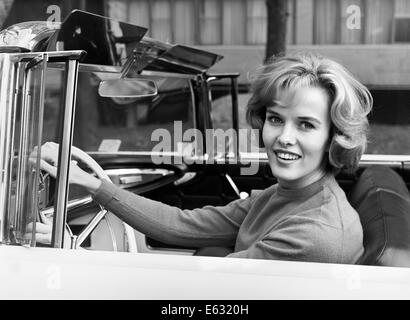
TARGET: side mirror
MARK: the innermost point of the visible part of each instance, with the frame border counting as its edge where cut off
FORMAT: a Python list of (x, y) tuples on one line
[(127, 88)]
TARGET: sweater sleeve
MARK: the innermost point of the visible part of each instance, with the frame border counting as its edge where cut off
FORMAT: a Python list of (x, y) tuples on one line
[(298, 239), (207, 226)]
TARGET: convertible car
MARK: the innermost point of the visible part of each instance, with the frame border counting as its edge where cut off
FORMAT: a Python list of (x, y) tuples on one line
[(153, 119)]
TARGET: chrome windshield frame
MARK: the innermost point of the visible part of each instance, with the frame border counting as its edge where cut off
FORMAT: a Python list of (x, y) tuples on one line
[(10, 80)]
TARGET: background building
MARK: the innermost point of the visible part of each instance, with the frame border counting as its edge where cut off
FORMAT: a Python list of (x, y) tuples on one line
[(243, 22), (358, 33)]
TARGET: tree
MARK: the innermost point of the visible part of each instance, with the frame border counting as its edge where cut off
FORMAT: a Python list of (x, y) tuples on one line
[(276, 33), (5, 6)]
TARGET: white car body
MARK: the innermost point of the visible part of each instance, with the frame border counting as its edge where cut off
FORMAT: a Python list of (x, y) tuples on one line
[(43, 273)]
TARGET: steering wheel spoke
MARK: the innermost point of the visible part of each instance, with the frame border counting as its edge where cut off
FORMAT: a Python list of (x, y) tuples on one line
[(77, 240)]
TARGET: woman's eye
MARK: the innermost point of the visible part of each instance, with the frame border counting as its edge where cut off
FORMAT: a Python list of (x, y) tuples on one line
[(274, 120), (307, 125)]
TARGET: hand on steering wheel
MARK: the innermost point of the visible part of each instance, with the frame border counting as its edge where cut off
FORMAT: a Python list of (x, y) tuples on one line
[(48, 163), (49, 159)]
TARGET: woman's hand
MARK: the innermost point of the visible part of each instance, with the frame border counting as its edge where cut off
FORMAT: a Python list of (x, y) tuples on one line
[(43, 232), (49, 160)]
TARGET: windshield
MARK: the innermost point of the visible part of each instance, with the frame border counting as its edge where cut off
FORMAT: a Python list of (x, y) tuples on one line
[(104, 124)]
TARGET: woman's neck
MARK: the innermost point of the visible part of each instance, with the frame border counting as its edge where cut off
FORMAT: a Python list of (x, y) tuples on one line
[(304, 181)]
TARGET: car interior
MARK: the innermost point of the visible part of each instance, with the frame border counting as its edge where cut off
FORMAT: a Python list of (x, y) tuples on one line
[(382, 200), (377, 192)]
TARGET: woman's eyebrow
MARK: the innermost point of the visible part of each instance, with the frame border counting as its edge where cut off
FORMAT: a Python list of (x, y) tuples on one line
[(276, 103), (310, 119), (270, 111)]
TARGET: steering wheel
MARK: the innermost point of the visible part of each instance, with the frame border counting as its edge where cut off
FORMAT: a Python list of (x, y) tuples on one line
[(76, 241)]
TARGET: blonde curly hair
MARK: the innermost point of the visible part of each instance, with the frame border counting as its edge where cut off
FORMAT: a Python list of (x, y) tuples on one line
[(350, 101)]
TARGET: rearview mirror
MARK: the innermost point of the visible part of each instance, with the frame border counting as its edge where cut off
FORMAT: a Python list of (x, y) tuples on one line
[(127, 88)]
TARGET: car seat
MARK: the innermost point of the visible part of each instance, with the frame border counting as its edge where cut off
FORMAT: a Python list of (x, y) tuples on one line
[(213, 251), (382, 200)]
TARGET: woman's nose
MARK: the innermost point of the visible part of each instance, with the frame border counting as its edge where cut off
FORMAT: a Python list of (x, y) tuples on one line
[(287, 137)]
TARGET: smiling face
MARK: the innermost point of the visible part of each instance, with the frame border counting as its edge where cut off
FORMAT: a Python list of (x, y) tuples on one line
[(296, 134)]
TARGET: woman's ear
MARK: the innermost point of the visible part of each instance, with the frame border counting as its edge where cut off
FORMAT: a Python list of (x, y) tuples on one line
[(330, 139), (329, 142)]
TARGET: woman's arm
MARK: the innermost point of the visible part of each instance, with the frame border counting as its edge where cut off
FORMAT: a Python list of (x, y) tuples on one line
[(207, 226), (200, 227)]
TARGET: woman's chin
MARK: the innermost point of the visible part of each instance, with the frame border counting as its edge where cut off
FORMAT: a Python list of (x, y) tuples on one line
[(287, 174)]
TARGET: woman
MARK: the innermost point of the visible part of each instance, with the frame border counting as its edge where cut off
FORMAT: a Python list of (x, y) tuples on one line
[(312, 116)]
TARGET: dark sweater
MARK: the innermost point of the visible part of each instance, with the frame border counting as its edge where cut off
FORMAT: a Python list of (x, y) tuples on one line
[(315, 223)]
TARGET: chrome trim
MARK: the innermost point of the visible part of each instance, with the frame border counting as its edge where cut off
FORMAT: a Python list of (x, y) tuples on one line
[(72, 204), (126, 171), (130, 179), (117, 69), (112, 233), (22, 150), (128, 64), (135, 153), (98, 68), (73, 244), (193, 106), (36, 61), (8, 77), (233, 185), (240, 194), (366, 158), (385, 157), (28, 34), (19, 71), (64, 157), (188, 176), (53, 56), (384, 163), (251, 157), (34, 197), (84, 67), (90, 227), (168, 74)]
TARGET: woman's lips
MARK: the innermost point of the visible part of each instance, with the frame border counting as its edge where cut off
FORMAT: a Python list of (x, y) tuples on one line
[(286, 155)]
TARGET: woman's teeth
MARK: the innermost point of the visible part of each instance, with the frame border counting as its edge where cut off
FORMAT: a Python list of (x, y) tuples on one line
[(287, 156)]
